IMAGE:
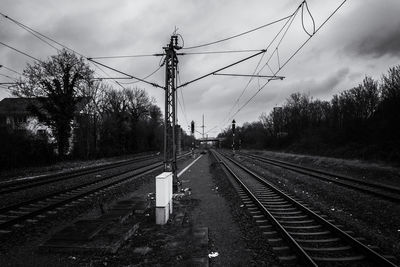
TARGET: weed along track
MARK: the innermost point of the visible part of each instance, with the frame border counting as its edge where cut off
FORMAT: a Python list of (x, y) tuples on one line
[(386, 192), (298, 234), (31, 211)]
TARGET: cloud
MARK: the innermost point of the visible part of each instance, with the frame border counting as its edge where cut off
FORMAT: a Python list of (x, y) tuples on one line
[(372, 29)]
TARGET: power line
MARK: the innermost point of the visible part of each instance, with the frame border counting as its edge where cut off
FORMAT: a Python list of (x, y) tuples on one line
[(146, 77), (39, 35), (7, 68), (21, 52), (228, 66), (123, 73), (238, 35), (291, 18), (130, 56), (1, 74), (290, 58), (179, 54), (219, 52), (183, 99), (42, 35)]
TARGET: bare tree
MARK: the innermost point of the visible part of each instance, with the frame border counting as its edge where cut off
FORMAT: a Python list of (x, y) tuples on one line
[(59, 84)]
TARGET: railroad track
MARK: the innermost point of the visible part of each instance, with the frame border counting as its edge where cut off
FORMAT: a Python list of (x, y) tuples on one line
[(387, 192), (30, 211), (16, 185), (296, 232)]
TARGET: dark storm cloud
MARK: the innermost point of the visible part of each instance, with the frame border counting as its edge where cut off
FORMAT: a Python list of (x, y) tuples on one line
[(353, 44), (372, 29), (378, 44)]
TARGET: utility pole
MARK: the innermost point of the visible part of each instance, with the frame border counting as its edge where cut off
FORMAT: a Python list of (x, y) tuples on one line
[(170, 134), (233, 136), (203, 128)]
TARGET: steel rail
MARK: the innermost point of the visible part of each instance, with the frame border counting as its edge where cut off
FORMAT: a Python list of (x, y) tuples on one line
[(306, 259), (28, 183), (391, 193), (32, 208), (357, 245)]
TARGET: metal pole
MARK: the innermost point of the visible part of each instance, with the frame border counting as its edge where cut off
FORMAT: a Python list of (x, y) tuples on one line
[(233, 144), (170, 135), (203, 127)]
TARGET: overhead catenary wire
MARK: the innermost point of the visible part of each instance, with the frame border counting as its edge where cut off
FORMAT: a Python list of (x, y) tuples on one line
[(9, 77), (123, 73), (12, 70), (42, 37), (290, 58), (146, 77), (129, 56), (183, 99), (237, 35), (228, 66), (179, 54), (288, 22), (21, 52)]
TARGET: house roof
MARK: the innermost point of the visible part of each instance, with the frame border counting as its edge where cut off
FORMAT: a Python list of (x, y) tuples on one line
[(19, 105)]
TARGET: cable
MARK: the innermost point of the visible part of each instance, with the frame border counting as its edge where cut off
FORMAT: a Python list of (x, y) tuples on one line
[(133, 77), (147, 76), (7, 68), (183, 99), (302, 18), (130, 56), (32, 31), (11, 78), (288, 22), (237, 35), (19, 51), (290, 58), (219, 52), (228, 66)]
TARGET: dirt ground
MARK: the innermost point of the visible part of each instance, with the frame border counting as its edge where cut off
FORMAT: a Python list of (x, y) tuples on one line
[(233, 238)]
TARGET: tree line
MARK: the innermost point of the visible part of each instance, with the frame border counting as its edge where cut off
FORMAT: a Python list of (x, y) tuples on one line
[(361, 122), (100, 119)]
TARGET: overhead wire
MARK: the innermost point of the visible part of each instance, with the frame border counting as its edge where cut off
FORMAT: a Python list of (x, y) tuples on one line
[(9, 77), (183, 99), (228, 66), (39, 35), (126, 74), (12, 70), (237, 35), (129, 56), (287, 23), (19, 51), (302, 18), (290, 58), (146, 77), (247, 58)]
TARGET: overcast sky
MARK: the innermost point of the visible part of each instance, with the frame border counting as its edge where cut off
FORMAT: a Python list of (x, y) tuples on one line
[(362, 38)]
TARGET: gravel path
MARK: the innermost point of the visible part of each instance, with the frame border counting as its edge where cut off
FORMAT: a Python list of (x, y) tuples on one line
[(213, 212)]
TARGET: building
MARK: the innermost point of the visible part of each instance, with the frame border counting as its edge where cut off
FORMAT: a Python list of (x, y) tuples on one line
[(16, 115)]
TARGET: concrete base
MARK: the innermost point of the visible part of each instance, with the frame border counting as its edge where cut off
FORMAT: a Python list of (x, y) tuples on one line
[(162, 215)]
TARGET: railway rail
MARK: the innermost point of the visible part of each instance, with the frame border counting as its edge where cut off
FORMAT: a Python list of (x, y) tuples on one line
[(296, 232), (30, 211), (16, 185), (387, 192)]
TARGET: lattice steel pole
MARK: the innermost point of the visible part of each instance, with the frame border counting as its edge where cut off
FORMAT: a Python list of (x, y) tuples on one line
[(171, 62)]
